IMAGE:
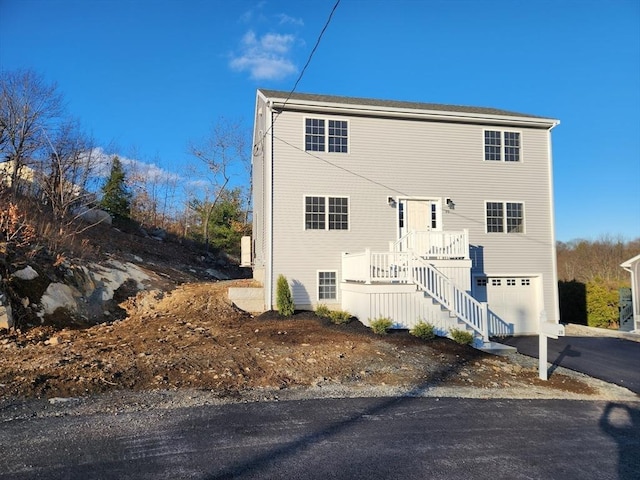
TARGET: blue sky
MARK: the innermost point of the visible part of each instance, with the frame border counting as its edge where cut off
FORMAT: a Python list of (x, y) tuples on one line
[(149, 75)]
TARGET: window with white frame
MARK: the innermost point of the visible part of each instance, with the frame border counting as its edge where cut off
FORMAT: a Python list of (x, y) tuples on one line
[(326, 213), (314, 135), (327, 285), (501, 146), (505, 217), (322, 135)]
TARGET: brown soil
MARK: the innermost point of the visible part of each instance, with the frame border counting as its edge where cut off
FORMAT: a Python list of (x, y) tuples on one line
[(184, 335), (193, 338)]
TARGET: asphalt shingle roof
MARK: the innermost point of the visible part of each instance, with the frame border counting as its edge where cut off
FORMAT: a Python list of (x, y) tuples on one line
[(394, 104)]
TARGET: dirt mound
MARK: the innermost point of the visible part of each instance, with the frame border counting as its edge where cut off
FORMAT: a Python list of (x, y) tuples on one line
[(193, 338)]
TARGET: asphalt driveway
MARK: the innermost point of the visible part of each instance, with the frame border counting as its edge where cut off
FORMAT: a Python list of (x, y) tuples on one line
[(353, 438), (614, 360)]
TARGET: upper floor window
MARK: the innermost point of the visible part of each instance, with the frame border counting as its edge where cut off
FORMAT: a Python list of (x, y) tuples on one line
[(505, 217), (501, 146), (326, 213), (326, 135), (314, 135)]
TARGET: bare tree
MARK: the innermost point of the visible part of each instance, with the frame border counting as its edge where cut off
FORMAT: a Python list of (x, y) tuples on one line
[(65, 171), (587, 260), (223, 152), (28, 105)]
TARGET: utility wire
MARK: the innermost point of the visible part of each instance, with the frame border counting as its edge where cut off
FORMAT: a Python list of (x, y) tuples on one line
[(370, 180), (295, 85), (315, 47)]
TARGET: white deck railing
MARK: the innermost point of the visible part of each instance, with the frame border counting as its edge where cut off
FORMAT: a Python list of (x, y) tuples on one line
[(432, 244), (406, 267)]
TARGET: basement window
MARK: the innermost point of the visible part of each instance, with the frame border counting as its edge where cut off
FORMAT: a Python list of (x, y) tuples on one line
[(327, 285)]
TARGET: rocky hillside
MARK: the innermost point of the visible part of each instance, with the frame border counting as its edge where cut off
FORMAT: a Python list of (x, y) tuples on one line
[(117, 261)]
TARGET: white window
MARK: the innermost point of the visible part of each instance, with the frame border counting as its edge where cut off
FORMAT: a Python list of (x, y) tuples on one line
[(314, 135), (322, 135), (327, 285), (501, 146), (505, 217), (326, 213)]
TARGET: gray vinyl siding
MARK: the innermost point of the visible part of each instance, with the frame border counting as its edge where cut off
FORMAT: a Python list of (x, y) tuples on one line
[(397, 157)]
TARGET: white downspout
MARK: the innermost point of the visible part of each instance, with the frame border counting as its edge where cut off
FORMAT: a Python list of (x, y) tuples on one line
[(554, 259), (269, 264), (634, 301)]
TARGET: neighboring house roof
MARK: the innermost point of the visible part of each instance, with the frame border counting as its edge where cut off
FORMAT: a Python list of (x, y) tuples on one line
[(629, 263), (293, 100)]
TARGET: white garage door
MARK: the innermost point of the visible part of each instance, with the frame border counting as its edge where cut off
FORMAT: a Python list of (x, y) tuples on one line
[(514, 300)]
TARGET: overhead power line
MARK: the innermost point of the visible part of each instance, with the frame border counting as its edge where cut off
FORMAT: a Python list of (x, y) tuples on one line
[(344, 169), (315, 47), (295, 85)]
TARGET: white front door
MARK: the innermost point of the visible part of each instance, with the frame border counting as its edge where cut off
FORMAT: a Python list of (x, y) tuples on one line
[(418, 216)]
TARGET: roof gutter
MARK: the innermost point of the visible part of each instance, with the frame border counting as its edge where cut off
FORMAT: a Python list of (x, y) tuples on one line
[(395, 112)]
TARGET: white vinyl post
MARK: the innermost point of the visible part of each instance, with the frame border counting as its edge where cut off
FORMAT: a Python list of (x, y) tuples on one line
[(542, 356)]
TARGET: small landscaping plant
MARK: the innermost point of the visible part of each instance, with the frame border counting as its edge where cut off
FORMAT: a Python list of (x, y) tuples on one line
[(323, 311), (461, 336), (380, 325), (340, 317), (423, 330), (284, 300)]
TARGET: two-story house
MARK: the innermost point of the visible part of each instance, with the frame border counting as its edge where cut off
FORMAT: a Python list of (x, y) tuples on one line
[(412, 211)]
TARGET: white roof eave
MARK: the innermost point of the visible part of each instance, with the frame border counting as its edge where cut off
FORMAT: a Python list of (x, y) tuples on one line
[(442, 115)]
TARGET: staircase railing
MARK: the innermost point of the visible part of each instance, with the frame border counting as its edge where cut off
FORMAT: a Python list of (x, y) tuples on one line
[(407, 267), (434, 244), (438, 286), (626, 314)]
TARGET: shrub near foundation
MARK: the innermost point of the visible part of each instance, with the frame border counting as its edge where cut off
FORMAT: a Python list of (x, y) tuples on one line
[(461, 336), (323, 311), (380, 325), (284, 300), (423, 330), (340, 317)]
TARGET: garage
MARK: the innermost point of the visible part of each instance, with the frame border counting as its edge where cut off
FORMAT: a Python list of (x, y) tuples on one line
[(512, 299)]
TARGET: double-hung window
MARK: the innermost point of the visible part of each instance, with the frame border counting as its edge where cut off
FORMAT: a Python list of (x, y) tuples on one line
[(327, 285), (505, 217), (501, 146), (314, 139), (322, 135), (326, 213)]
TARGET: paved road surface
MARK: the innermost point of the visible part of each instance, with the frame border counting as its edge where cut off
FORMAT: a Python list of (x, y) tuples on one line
[(614, 360), (381, 438)]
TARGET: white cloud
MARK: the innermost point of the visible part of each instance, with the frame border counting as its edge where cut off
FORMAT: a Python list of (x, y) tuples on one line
[(254, 13), (145, 171), (278, 44), (286, 19), (266, 57)]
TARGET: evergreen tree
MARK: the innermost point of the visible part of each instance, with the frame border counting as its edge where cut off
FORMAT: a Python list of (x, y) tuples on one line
[(284, 299), (116, 197), (222, 222)]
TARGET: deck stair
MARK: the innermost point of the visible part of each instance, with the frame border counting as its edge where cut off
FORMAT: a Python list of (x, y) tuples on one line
[(458, 308)]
